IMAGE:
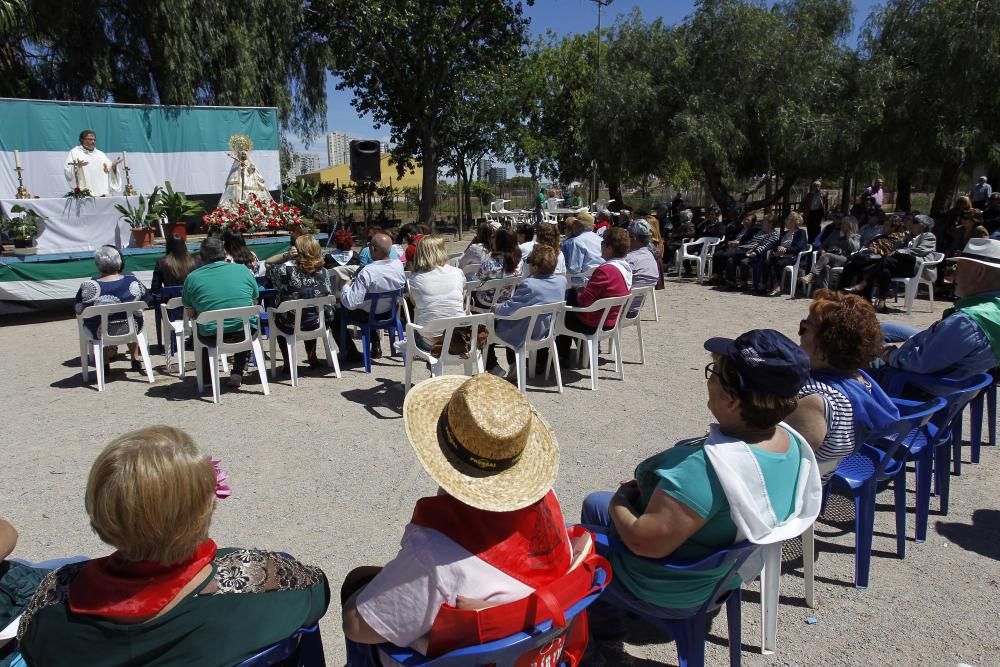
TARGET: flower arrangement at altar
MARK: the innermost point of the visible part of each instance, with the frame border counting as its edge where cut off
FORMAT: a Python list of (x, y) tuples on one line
[(252, 215), (79, 193)]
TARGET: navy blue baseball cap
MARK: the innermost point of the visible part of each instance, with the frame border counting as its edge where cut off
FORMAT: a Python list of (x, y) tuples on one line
[(766, 361)]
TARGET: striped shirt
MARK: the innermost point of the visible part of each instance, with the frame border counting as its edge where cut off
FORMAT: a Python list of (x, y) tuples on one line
[(839, 440)]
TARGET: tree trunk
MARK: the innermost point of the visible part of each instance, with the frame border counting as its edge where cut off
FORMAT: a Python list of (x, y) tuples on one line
[(904, 184), (713, 180), (615, 193), (944, 194), (846, 191), (430, 159), (467, 194)]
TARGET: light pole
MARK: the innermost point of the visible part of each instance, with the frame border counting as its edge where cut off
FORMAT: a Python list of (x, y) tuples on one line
[(601, 4)]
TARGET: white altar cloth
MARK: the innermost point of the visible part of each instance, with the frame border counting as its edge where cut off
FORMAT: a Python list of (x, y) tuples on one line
[(76, 225)]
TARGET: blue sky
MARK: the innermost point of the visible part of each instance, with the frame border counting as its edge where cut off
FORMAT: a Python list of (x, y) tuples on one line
[(560, 16)]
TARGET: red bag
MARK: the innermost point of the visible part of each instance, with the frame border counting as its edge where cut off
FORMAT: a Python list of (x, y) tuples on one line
[(457, 628)]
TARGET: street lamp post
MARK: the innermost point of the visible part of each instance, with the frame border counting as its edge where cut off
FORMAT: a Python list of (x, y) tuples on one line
[(601, 4)]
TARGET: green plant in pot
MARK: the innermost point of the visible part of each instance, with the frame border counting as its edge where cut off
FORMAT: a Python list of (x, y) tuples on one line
[(141, 217), (175, 207), (22, 228)]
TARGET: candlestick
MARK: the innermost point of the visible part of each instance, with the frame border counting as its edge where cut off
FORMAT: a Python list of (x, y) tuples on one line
[(22, 192)]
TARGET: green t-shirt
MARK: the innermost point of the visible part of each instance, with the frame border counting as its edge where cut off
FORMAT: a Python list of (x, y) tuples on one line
[(219, 285), (252, 600), (685, 474)]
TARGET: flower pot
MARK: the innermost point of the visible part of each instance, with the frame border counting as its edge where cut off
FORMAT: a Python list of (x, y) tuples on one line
[(143, 236), (22, 243), (175, 228)]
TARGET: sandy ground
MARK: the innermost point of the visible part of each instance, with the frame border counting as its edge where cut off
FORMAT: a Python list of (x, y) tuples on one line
[(324, 471)]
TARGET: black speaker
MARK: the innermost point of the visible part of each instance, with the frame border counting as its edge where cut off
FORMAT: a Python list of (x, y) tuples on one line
[(366, 160)]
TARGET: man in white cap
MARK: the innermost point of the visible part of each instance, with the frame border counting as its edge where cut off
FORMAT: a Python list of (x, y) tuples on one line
[(966, 340), (494, 533), (582, 247), (980, 193)]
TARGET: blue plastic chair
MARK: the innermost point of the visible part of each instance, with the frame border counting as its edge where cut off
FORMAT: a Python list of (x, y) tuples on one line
[(503, 652), (976, 418), (879, 459), (304, 648), (689, 632), (388, 320), (944, 429), (165, 294), (267, 298)]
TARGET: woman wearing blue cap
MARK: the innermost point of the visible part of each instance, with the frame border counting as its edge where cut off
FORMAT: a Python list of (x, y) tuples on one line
[(751, 478)]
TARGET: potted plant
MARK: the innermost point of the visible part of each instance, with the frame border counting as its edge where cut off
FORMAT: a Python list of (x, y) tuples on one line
[(22, 228), (141, 217), (175, 207)]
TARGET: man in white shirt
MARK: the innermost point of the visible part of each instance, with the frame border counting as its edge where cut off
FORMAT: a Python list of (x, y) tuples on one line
[(383, 274), (87, 168), (582, 248)]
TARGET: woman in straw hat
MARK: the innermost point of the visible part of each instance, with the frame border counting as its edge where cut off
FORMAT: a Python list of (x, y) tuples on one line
[(494, 532), (167, 595), (751, 478)]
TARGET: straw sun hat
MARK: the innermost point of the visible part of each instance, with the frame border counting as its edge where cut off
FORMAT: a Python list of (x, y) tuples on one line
[(481, 441)]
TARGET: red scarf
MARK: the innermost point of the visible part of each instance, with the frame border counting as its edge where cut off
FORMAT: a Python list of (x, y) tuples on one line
[(529, 544), (115, 587)]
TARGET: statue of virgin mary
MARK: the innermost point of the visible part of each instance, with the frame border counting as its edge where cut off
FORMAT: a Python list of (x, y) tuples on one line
[(243, 178)]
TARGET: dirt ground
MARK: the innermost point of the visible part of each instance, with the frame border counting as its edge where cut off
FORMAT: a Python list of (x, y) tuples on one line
[(324, 472)]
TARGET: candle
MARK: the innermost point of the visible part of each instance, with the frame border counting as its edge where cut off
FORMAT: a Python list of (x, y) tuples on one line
[(17, 159), (124, 160)]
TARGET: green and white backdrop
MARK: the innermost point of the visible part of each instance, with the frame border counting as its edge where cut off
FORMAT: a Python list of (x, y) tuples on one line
[(185, 145)]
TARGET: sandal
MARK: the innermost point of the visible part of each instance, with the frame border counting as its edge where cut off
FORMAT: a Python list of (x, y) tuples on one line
[(775, 292)]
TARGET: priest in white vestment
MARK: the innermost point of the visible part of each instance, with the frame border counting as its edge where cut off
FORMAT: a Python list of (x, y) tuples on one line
[(90, 169)]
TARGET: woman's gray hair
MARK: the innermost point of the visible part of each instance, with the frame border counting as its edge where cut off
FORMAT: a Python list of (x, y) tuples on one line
[(687, 215), (108, 260), (925, 220)]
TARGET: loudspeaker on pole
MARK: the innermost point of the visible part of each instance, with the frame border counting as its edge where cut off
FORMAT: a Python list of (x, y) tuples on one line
[(366, 160)]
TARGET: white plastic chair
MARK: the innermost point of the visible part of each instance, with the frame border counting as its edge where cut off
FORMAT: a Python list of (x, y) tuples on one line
[(90, 345), (173, 330), (524, 354), (796, 269), (250, 342), (707, 243), (489, 293), (604, 307), (631, 314), (580, 279), (925, 274), (473, 363), (322, 332)]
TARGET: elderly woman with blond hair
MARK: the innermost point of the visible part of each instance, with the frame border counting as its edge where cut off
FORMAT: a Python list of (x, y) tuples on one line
[(436, 288), (167, 595), (305, 277)]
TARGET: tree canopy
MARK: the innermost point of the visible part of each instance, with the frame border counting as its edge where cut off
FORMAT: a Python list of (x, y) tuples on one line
[(224, 52)]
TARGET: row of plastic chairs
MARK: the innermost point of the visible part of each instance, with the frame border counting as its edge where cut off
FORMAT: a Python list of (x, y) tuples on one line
[(629, 309)]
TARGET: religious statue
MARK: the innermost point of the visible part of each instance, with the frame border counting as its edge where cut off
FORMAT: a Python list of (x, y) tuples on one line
[(243, 178), (90, 169)]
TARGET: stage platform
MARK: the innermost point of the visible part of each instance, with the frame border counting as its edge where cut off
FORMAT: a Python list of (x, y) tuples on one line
[(47, 284)]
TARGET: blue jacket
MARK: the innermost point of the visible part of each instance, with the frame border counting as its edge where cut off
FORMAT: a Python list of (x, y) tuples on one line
[(533, 291)]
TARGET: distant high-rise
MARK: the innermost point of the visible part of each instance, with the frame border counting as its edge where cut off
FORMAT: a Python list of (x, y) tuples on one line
[(303, 163), (497, 175), (483, 168), (338, 148)]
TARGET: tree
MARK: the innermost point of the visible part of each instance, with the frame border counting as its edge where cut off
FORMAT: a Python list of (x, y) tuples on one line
[(407, 62), (224, 52), (932, 73), (751, 109)]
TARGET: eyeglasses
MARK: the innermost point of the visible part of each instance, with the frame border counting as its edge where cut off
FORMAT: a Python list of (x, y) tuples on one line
[(712, 368)]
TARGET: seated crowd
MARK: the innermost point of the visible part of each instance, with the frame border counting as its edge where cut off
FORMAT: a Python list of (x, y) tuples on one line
[(784, 415)]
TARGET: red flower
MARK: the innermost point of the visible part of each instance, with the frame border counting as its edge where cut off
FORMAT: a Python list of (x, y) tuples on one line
[(76, 190)]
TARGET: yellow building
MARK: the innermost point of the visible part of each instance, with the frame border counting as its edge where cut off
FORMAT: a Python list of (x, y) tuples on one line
[(341, 173)]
